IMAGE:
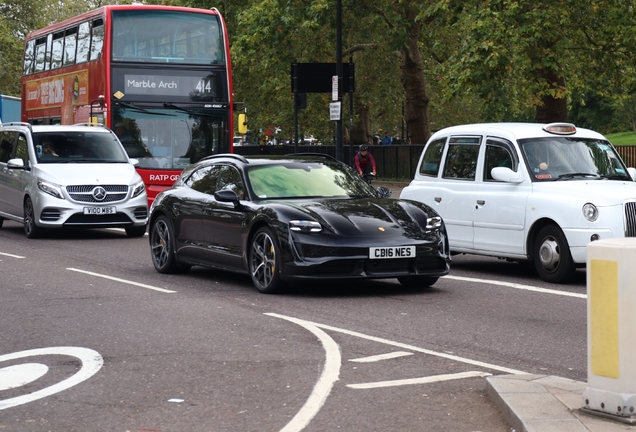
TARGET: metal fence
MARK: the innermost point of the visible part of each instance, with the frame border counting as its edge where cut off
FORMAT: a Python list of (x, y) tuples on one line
[(394, 162)]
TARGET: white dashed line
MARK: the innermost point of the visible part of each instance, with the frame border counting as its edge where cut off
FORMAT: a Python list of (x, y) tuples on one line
[(423, 380), (518, 286), (381, 357), (122, 281), (11, 255)]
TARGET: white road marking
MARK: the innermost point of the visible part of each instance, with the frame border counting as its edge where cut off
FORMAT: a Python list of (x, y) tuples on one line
[(330, 374), (121, 280), (423, 380), (11, 255), (423, 350), (381, 357), (91, 360), (517, 286), (19, 375)]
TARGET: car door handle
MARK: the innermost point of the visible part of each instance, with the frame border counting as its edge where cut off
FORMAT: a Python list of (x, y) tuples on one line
[(438, 199), (481, 202)]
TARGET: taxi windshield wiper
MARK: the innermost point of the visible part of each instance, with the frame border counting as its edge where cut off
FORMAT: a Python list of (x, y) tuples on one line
[(580, 174)]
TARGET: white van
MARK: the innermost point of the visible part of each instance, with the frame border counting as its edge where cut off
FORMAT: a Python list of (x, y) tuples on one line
[(527, 192)]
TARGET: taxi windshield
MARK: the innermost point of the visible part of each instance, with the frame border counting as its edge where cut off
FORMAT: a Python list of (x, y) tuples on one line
[(566, 158)]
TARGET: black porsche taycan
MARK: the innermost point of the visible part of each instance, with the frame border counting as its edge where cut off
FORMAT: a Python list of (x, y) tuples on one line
[(288, 218)]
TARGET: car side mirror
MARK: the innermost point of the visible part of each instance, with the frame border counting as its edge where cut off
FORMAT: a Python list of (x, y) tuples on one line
[(135, 162), (384, 192), (16, 163), (632, 173), (227, 195), (506, 175)]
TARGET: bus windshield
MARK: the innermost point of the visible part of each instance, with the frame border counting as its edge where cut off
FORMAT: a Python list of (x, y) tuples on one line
[(170, 138), (160, 36)]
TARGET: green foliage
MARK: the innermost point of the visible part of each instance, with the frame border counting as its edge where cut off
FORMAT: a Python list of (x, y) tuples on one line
[(622, 138)]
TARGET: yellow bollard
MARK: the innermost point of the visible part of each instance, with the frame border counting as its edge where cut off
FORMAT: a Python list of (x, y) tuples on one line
[(611, 329)]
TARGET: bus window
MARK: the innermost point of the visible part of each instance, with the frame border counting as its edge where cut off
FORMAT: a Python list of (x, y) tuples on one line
[(83, 42), (97, 40), (57, 49), (40, 54), (29, 52), (47, 53), (70, 43)]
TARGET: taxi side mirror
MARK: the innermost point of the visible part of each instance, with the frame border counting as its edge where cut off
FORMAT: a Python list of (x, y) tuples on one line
[(506, 175)]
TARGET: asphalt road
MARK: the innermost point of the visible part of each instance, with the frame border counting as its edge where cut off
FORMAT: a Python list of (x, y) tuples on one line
[(92, 338)]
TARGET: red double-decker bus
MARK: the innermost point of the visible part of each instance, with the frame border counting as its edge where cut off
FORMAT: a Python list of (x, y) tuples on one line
[(159, 76)]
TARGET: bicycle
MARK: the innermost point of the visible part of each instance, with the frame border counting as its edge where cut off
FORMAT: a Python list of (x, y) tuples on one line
[(368, 177)]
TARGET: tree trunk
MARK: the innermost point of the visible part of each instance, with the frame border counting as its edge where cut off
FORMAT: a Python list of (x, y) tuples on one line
[(552, 109), (362, 123), (414, 83)]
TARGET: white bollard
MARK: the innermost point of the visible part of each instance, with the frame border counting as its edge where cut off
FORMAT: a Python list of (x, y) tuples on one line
[(611, 329)]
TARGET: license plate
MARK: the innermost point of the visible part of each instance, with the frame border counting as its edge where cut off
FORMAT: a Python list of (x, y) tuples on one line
[(392, 252), (99, 210)]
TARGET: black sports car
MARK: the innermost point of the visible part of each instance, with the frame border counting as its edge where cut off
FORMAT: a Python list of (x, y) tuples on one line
[(285, 218)]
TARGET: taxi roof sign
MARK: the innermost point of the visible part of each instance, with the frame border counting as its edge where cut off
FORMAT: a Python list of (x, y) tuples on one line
[(560, 128)]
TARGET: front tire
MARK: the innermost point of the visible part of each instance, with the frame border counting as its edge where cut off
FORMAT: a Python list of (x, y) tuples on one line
[(30, 228), (552, 258), (162, 247), (264, 261), (417, 281), (136, 231)]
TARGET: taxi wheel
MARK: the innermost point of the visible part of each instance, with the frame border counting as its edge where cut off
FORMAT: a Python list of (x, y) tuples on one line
[(162, 247), (30, 228), (264, 261), (552, 258), (417, 281)]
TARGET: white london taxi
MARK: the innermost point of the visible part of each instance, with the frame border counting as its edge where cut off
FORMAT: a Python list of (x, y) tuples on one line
[(527, 192)]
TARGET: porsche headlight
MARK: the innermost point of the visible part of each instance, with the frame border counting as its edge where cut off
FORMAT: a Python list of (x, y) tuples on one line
[(590, 212), (305, 226), (433, 222), (138, 189), (50, 188)]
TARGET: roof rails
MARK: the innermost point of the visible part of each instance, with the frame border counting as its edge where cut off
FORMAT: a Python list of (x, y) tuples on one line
[(17, 124), (227, 155), (324, 155)]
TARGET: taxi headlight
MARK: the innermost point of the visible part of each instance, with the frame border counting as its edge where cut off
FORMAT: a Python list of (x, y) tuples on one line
[(590, 212), (50, 188), (305, 226), (138, 189)]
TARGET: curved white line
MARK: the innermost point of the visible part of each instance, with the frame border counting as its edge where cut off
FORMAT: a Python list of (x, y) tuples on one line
[(330, 374), (91, 360)]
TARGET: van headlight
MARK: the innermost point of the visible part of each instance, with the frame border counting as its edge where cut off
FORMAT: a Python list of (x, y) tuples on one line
[(50, 188), (138, 189), (590, 212)]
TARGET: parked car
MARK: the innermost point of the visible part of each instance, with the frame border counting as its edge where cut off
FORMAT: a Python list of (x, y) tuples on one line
[(69, 176), (527, 192), (285, 218)]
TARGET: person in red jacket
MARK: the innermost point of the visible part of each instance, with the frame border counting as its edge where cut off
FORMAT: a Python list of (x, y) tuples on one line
[(363, 162)]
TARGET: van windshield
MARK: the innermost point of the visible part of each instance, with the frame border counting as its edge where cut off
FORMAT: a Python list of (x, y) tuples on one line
[(566, 158), (78, 147)]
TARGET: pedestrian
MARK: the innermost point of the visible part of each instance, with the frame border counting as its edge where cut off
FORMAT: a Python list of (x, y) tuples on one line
[(263, 149), (387, 140), (364, 162)]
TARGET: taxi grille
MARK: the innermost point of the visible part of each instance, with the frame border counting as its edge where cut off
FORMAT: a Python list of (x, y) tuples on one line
[(84, 193), (630, 219)]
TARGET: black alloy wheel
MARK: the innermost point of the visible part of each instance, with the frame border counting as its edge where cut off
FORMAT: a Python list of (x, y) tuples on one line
[(264, 261), (162, 247)]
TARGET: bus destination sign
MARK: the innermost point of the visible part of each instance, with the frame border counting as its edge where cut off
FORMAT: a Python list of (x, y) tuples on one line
[(162, 85)]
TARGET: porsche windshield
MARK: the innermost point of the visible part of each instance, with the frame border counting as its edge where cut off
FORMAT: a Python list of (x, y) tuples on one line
[(562, 158), (307, 180)]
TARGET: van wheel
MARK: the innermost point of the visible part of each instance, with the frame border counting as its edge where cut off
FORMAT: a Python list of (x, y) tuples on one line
[(552, 258), (30, 228)]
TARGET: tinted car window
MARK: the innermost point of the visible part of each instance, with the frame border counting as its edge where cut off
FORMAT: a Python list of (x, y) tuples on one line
[(22, 150), (497, 155), (461, 161), (432, 158), (204, 179), (7, 138), (230, 179)]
